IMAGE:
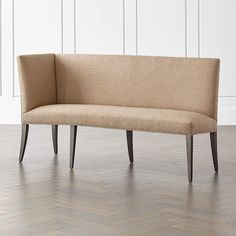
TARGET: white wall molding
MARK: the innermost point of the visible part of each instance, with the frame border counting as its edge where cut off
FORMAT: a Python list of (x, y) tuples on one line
[(124, 26), (13, 51), (192, 28), (68, 26), (136, 26), (7, 50), (0, 48), (130, 27), (62, 26)]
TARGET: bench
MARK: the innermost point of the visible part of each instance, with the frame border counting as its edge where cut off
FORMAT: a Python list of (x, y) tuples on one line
[(132, 93)]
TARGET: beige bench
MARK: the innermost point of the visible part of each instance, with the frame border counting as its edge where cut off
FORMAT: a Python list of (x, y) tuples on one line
[(155, 94)]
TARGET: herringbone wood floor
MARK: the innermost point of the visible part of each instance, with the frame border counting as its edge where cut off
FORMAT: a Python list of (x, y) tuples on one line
[(105, 196)]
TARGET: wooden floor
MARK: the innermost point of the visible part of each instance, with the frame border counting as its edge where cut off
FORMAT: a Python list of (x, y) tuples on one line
[(106, 196)]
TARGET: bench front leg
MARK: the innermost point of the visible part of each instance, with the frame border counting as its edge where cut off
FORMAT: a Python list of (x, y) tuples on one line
[(129, 136), (55, 138), (189, 147), (213, 137), (73, 134), (24, 137)]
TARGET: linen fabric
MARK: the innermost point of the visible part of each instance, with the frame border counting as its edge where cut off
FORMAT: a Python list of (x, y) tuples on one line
[(161, 94), (188, 84), (37, 81), (128, 118)]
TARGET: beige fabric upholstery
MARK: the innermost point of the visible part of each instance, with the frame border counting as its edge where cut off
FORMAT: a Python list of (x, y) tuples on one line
[(37, 81), (188, 84), (143, 119), (163, 94)]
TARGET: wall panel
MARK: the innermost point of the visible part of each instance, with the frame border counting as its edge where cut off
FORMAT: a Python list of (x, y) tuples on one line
[(37, 28), (100, 26), (161, 27), (218, 39), (144, 27)]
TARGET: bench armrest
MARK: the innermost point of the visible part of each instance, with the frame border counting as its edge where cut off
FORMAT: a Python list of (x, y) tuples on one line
[(37, 80)]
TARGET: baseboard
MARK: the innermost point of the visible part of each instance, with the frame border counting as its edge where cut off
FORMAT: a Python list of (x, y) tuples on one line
[(227, 116)]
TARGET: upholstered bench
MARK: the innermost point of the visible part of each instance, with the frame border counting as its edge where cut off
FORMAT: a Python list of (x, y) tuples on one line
[(155, 94)]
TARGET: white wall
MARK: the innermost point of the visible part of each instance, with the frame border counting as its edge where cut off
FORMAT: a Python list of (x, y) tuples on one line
[(198, 28)]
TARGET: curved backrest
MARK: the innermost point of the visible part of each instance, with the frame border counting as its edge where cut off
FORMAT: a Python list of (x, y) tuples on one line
[(188, 84)]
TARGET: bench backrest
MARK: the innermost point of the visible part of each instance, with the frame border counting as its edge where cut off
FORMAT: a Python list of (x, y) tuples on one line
[(188, 84)]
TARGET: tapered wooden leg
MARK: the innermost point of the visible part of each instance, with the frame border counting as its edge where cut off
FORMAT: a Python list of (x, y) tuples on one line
[(73, 134), (189, 147), (24, 137), (55, 138), (213, 137), (129, 135)]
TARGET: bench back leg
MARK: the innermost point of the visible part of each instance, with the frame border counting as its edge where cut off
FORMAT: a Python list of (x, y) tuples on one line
[(55, 138), (24, 137), (73, 134), (189, 147), (213, 137), (129, 136)]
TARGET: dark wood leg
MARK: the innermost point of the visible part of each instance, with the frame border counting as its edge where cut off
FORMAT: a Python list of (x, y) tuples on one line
[(189, 147), (213, 137), (55, 138), (24, 136), (73, 134), (129, 135)]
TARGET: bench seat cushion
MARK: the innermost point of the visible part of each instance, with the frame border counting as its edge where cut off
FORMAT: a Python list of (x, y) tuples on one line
[(127, 118)]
